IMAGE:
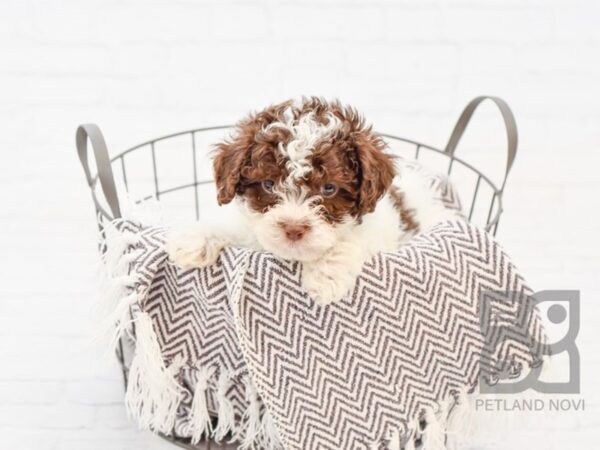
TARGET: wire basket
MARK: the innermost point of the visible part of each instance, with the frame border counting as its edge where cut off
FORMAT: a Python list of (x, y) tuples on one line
[(114, 181)]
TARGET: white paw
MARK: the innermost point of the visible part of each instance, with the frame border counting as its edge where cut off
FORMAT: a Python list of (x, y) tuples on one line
[(194, 247), (324, 283)]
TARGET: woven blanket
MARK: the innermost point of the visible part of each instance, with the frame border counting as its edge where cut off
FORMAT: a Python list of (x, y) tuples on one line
[(238, 350)]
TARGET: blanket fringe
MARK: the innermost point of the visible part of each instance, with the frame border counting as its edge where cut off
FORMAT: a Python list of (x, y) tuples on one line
[(395, 440), (119, 295), (445, 428), (269, 434), (410, 443), (460, 425), (434, 435), (116, 244), (251, 419), (225, 413), (200, 420), (153, 395), (121, 319)]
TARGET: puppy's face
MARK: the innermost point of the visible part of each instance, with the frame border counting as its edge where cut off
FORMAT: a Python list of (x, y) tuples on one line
[(304, 173)]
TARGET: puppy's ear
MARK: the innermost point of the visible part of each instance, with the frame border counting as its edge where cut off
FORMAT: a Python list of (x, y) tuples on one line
[(377, 170), (230, 157)]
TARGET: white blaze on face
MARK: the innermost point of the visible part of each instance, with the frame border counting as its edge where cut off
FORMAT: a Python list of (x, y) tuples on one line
[(295, 208), (306, 133)]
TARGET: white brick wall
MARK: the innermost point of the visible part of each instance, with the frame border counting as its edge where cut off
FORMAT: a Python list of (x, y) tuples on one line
[(144, 68)]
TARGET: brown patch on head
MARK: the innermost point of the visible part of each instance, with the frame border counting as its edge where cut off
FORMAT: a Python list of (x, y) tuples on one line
[(249, 157), (355, 160), (352, 158), (333, 163), (376, 168), (407, 215)]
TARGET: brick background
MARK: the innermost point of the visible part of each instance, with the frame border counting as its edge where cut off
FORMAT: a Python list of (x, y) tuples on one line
[(145, 68)]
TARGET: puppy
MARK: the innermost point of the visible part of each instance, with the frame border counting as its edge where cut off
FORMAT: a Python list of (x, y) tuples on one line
[(312, 183)]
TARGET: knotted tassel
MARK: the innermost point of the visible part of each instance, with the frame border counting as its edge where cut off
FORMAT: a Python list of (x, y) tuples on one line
[(251, 418), (200, 421), (117, 243), (434, 435), (118, 284), (120, 320), (460, 425), (225, 412), (413, 428), (410, 443), (269, 436), (394, 441), (153, 395)]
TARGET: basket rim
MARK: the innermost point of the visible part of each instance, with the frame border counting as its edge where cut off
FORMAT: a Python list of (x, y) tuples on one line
[(491, 223)]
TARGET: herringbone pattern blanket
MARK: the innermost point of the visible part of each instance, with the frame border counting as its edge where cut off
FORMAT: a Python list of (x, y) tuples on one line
[(243, 342)]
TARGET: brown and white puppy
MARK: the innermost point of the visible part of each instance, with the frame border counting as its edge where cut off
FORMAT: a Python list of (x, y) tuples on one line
[(313, 184)]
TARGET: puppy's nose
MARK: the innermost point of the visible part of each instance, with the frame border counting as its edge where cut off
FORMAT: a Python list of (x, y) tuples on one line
[(295, 231)]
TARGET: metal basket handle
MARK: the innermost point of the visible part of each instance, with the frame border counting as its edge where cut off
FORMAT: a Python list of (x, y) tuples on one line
[(105, 174), (512, 135)]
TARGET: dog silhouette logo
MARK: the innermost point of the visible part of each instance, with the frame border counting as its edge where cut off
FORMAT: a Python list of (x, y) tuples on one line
[(546, 322)]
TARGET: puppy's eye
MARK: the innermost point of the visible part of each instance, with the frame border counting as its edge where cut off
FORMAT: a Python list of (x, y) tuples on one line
[(268, 185), (329, 190)]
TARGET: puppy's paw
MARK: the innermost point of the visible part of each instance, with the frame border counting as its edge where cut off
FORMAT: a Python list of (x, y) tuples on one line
[(324, 283), (194, 247)]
